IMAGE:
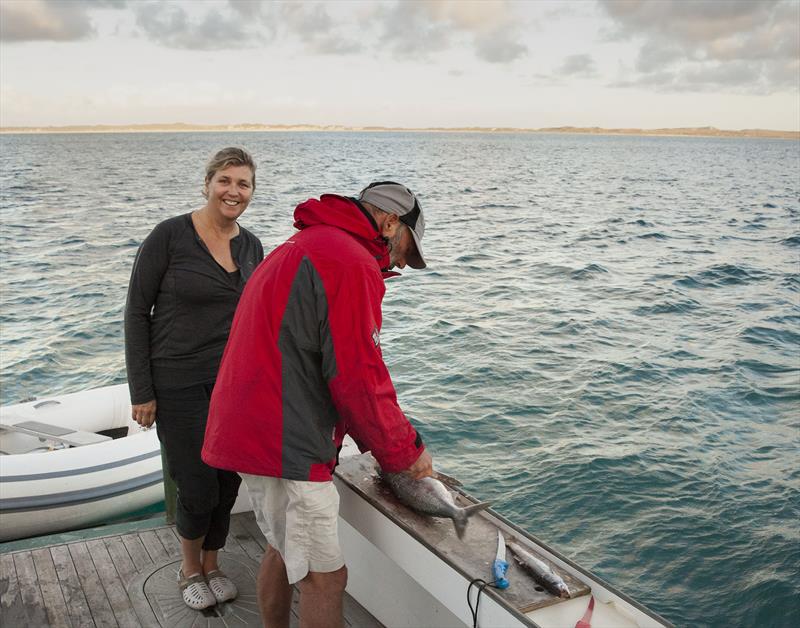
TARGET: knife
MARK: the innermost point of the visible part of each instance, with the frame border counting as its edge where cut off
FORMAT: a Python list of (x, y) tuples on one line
[(500, 566)]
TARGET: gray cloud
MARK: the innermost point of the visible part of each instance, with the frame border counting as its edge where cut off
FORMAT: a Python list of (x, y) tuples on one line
[(305, 19), (416, 29), (44, 20), (580, 66), (716, 77), (496, 49), (249, 9), (249, 23), (711, 44), (312, 24), (407, 30), (692, 22), (333, 45), (170, 26), (653, 56)]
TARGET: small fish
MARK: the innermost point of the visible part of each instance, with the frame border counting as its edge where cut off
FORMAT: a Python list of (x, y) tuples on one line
[(429, 496), (540, 571)]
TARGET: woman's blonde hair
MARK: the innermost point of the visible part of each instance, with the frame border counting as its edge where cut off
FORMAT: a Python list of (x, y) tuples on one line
[(230, 156)]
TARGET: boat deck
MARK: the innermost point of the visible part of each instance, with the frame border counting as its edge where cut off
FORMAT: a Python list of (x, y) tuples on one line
[(128, 580)]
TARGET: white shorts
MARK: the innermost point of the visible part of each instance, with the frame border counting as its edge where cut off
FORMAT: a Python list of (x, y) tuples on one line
[(300, 520)]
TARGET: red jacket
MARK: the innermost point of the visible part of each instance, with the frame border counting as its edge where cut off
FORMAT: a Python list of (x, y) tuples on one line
[(303, 363)]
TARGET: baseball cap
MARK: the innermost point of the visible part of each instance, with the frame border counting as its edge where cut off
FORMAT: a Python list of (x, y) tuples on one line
[(397, 199)]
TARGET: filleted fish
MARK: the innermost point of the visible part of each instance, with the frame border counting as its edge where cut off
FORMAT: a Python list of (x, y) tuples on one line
[(540, 571)]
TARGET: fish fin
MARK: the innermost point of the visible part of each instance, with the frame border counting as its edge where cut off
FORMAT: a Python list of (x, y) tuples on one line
[(460, 525), (460, 522), (471, 510), (446, 479)]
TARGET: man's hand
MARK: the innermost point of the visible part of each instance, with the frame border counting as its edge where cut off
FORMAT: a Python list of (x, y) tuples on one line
[(144, 413), (423, 467)]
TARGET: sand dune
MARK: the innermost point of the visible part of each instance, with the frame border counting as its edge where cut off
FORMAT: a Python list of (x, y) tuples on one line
[(178, 127)]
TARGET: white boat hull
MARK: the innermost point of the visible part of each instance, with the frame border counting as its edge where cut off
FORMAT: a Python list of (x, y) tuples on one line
[(49, 491)]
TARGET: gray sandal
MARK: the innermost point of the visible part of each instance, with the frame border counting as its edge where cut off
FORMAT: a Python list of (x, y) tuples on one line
[(195, 592), (221, 586)]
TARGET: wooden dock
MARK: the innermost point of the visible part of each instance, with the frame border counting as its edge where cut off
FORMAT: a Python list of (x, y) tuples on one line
[(128, 580)]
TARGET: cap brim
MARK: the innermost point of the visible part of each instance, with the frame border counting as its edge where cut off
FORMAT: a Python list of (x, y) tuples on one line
[(415, 260)]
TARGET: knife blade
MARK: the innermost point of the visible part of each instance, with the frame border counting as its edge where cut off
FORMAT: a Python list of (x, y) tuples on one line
[(500, 565)]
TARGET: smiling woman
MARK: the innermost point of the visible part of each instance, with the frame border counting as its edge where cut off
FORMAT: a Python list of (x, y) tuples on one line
[(186, 282), (230, 181)]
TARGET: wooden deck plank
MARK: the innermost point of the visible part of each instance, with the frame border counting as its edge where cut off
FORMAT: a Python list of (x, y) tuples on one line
[(355, 615), (127, 572), (53, 597), (169, 539), (249, 522), (232, 545), (29, 590), (87, 584), (99, 605), (245, 539), (139, 556), (12, 611), (295, 612), (122, 560), (154, 546), (112, 583), (77, 606)]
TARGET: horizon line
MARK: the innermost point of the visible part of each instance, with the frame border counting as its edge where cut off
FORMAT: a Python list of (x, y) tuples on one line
[(707, 131)]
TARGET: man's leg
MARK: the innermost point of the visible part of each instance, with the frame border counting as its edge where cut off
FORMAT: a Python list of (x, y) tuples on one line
[(274, 590), (321, 596)]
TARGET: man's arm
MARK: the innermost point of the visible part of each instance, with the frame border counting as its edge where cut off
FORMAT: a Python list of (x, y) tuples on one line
[(422, 467), (358, 379)]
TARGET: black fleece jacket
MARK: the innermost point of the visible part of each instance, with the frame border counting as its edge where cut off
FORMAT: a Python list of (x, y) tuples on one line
[(180, 307)]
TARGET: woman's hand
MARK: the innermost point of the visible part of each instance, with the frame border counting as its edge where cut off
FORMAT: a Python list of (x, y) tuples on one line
[(144, 413)]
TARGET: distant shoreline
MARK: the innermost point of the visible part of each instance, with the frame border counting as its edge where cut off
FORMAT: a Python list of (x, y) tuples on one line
[(232, 128)]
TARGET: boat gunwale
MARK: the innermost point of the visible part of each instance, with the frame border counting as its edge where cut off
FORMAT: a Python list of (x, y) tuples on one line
[(593, 579), (591, 576), (517, 614)]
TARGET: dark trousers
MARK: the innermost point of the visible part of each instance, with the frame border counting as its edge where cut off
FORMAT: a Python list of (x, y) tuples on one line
[(205, 495)]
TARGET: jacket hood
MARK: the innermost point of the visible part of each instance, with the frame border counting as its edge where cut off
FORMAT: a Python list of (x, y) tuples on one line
[(346, 214)]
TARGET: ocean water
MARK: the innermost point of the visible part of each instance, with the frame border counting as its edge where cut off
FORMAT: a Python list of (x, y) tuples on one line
[(606, 342)]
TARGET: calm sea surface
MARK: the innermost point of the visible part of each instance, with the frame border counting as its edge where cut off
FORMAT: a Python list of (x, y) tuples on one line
[(606, 342)]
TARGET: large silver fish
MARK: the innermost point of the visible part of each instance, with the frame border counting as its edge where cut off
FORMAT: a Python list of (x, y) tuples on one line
[(540, 571), (429, 496)]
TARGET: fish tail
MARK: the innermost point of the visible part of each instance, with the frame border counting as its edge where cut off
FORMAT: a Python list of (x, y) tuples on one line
[(471, 510), (460, 523), (462, 517)]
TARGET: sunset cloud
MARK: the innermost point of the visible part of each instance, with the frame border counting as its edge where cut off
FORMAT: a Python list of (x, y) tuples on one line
[(48, 20), (707, 45), (171, 25), (412, 63), (415, 29)]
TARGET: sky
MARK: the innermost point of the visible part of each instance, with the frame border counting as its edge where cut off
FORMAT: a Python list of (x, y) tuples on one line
[(437, 63)]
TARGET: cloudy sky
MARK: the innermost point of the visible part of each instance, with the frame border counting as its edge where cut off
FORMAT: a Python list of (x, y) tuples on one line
[(608, 63)]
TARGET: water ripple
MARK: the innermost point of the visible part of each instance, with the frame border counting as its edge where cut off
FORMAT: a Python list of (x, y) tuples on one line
[(605, 342)]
